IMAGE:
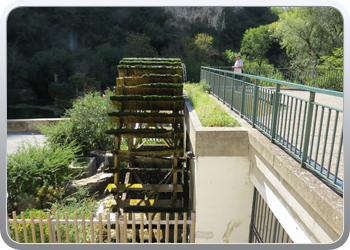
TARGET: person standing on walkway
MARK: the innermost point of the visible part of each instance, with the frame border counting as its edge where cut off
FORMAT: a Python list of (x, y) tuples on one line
[(238, 67)]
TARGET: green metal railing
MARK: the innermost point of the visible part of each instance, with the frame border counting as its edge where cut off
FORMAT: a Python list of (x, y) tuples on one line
[(312, 131), (326, 78)]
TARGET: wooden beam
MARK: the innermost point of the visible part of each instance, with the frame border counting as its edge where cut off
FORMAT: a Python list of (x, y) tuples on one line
[(143, 170), (149, 203), (127, 154), (144, 187), (138, 133)]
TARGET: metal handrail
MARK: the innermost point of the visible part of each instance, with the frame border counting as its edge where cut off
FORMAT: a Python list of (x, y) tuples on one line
[(300, 125), (312, 76)]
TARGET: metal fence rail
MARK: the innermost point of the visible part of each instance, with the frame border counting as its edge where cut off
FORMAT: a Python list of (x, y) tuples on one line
[(128, 228), (312, 131), (332, 78), (264, 226)]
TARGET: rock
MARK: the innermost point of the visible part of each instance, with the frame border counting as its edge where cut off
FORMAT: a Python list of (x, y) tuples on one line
[(96, 183)]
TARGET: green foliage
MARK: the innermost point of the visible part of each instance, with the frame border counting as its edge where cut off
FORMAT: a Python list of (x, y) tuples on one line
[(42, 42), (209, 112), (255, 44), (230, 57), (78, 79), (62, 91), (32, 168), (86, 123), (308, 33), (335, 61), (139, 46), (204, 86), (238, 20), (204, 43)]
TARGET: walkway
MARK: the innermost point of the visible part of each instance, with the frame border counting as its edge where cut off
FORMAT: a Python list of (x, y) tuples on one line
[(14, 139)]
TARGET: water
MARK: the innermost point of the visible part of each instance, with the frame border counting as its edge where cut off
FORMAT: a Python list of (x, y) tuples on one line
[(31, 112)]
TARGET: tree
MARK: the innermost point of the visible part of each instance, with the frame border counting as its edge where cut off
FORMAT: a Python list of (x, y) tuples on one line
[(238, 20), (204, 43), (335, 61), (308, 33), (139, 46), (255, 44)]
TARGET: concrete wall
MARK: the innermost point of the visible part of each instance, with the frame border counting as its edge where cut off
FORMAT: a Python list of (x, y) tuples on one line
[(220, 190), (229, 162)]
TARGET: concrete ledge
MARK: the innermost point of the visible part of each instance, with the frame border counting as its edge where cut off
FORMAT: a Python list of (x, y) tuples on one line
[(214, 141), (27, 125)]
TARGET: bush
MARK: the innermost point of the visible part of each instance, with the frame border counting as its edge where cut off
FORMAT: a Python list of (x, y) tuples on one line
[(62, 91), (86, 123), (33, 168)]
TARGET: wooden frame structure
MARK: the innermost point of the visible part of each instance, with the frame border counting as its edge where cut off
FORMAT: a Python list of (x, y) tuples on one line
[(148, 107)]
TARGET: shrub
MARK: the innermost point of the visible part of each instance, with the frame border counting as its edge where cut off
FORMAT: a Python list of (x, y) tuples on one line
[(86, 123), (62, 91), (33, 168)]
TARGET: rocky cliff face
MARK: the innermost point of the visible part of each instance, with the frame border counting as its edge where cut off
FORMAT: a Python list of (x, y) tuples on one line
[(212, 16)]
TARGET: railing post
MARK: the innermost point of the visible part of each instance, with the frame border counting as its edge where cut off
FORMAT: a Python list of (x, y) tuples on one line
[(224, 97), (255, 102), (308, 128), (219, 90), (243, 98), (232, 91), (275, 111)]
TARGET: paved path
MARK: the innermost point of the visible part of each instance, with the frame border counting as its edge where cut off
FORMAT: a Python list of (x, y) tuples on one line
[(332, 101), (325, 145), (14, 139)]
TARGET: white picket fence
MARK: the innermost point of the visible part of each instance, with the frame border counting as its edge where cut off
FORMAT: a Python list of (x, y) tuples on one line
[(128, 228)]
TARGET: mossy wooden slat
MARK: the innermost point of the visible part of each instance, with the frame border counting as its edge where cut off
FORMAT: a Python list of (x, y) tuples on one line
[(170, 59), (145, 98), (146, 114), (127, 154), (145, 119), (155, 134), (140, 72), (135, 90), (154, 162), (149, 105), (145, 187), (137, 80), (151, 63)]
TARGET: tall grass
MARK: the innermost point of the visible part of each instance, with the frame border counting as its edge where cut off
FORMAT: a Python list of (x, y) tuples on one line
[(209, 111)]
